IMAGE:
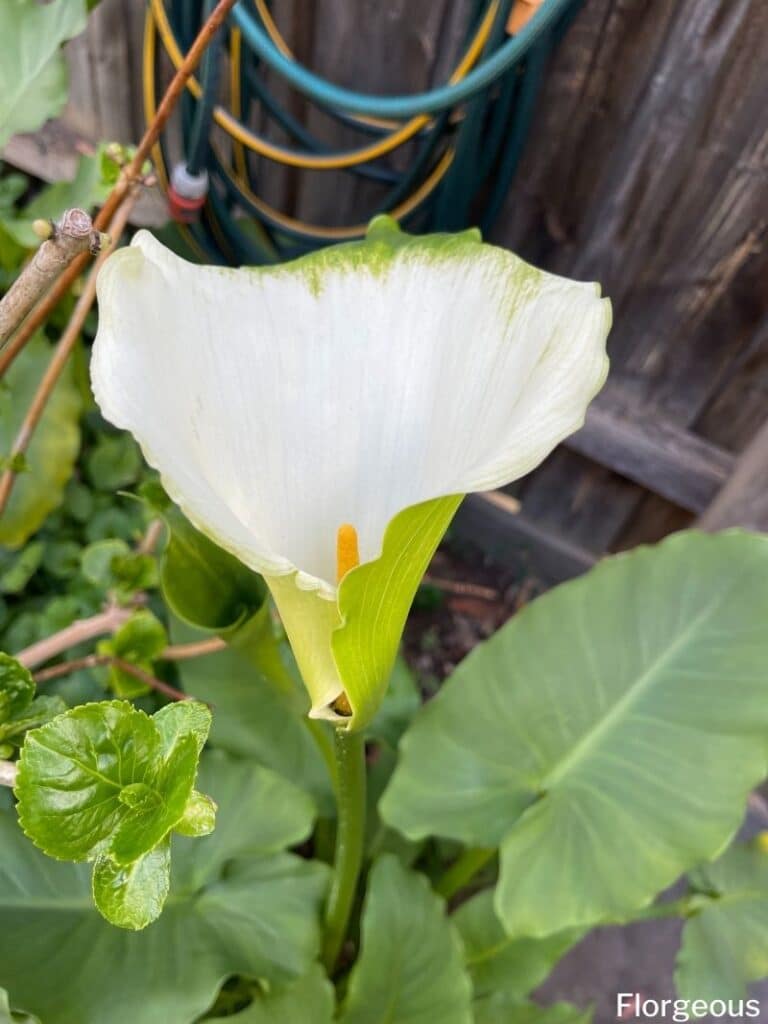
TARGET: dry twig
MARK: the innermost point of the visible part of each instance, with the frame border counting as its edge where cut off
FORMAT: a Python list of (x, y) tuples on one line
[(129, 178), (94, 660), (69, 237), (61, 353), (79, 632)]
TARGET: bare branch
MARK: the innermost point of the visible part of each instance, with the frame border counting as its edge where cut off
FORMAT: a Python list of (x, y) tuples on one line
[(70, 236), (62, 351), (183, 652), (79, 632), (95, 660), (128, 180)]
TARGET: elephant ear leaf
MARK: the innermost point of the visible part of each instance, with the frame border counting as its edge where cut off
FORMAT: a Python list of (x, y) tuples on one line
[(581, 723), (410, 966), (33, 75), (725, 940)]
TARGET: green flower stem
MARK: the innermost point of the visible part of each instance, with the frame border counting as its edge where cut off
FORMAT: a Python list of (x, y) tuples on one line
[(350, 833), (462, 871)]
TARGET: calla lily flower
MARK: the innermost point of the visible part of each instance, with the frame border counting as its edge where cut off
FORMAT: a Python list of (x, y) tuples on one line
[(323, 419)]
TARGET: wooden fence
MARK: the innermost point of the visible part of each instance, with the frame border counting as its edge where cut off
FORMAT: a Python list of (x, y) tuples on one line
[(647, 169)]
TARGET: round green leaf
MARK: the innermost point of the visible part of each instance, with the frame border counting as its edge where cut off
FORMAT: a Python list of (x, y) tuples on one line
[(199, 817), (71, 773), (115, 462), (606, 737), (233, 908), (410, 965), (133, 896), (54, 446)]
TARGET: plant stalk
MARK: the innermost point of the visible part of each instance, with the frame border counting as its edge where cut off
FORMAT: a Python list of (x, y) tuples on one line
[(350, 834), (462, 871)]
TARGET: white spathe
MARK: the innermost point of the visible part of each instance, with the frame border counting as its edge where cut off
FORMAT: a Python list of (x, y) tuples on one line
[(279, 403)]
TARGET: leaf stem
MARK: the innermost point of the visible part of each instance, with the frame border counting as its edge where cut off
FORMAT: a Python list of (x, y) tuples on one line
[(463, 870), (350, 833)]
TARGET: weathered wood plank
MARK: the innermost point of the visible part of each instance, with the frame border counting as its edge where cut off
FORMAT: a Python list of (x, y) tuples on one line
[(743, 501), (517, 541), (652, 451)]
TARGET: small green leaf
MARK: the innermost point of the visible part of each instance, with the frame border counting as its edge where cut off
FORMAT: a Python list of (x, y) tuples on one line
[(133, 895), (115, 462), (55, 444), (21, 570), (97, 559), (199, 817), (84, 191), (591, 708), (139, 640), (410, 965), (71, 773), (202, 584), (306, 1001), (144, 826), (185, 717), (725, 942), (17, 688)]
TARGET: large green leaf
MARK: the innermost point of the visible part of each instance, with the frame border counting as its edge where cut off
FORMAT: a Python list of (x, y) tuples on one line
[(306, 1001), (500, 965), (233, 908), (575, 737), (251, 719), (33, 75), (11, 1017), (410, 966), (56, 441), (725, 942)]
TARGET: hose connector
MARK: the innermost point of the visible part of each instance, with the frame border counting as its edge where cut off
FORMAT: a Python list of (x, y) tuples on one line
[(187, 193)]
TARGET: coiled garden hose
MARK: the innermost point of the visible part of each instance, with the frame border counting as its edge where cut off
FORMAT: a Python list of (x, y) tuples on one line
[(464, 138)]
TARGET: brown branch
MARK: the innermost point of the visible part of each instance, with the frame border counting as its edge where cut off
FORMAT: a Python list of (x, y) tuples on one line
[(149, 541), (79, 632), (72, 235), (8, 772), (61, 353), (183, 652), (129, 178), (95, 660)]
